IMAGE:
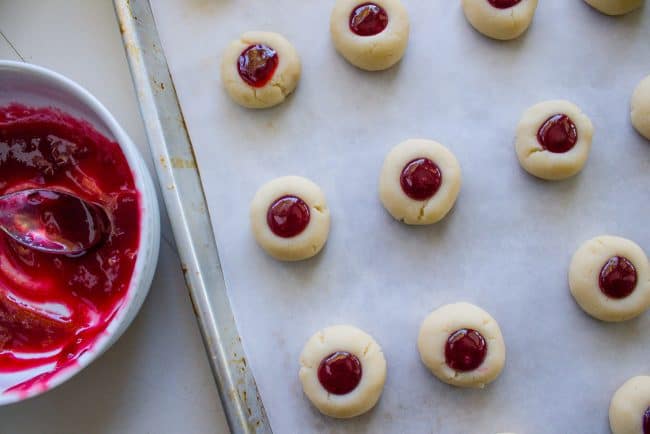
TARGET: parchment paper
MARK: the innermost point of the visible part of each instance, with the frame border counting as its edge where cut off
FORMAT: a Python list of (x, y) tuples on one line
[(506, 247)]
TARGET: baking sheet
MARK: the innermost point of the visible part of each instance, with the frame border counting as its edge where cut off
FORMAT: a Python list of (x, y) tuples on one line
[(505, 247)]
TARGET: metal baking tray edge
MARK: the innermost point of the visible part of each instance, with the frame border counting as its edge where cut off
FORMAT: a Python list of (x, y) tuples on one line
[(183, 196)]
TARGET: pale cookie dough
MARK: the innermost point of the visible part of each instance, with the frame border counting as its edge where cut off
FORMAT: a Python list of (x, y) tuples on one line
[(444, 321), (641, 108), (308, 242), (398, 203), (630, 407), (584, 275), (545, 164), (373, 371), (376, 52), (615, 7), (496, 23), (284, 79)]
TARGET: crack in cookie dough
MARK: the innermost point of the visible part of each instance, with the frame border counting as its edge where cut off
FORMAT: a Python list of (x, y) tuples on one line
[(502, 24), (343, 338), (419, 212), (445, 321), (285, 77), (311, 239), (585, 271), (543, 163), (376, 52)]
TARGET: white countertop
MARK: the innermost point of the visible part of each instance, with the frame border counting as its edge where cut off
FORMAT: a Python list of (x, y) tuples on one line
[(156, 378)]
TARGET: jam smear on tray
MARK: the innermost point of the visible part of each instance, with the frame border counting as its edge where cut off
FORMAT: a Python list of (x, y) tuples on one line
[(617, 277), (646, 421), (257, 64), (368, 19), (340, 372), (288, 216), (421, 179), (465, 350), (53, 308)]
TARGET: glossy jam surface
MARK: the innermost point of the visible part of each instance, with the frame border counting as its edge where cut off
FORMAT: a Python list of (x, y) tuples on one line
[(558, 134), (465, 350), (340, 372), (368, 19), (257, 64), (646, 421), (504, 4), (420, 179), (288, 216), (617, 278), (52, 307)]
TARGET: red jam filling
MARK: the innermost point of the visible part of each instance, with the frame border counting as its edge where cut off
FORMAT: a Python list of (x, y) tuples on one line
[(646, 421), (504, 4), (257, 64), (465, 350), (617, 277), (421, 179), (288, 216), (340, 372), (558, 134), (368, 19), (53, 308)]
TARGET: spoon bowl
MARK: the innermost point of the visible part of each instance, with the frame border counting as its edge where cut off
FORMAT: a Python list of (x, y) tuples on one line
[(52, 221)]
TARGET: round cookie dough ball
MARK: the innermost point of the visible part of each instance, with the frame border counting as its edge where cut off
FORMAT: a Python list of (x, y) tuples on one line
[(629, 411), (370, 35), (260, 69), (342, 371), (615, 7), (500, 19), (419, 182), (290, 219), (553, 140), (641, 108), (462, 345), (609, 277)]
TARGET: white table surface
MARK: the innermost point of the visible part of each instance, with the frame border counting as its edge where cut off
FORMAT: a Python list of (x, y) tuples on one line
[(156, 378)]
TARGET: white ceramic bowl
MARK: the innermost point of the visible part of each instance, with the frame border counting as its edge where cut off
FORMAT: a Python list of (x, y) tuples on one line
[(36, 86)]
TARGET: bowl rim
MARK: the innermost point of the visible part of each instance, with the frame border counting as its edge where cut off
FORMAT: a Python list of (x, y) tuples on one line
[(149, 243)]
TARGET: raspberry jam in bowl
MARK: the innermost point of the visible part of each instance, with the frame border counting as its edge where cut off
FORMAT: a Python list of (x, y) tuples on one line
[(58, 313)]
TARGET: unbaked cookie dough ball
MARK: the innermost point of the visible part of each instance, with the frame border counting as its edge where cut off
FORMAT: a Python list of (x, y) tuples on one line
[(260, 69), (500, 19), (641, 108), (609, 277), (342, 371), (370, 35), (419, 182), (553, 140), (290, 219), (462, 345), (629, 411), (615, 7)]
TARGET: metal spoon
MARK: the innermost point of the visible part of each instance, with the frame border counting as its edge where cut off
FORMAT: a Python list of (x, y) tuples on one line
[(52, 221)]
